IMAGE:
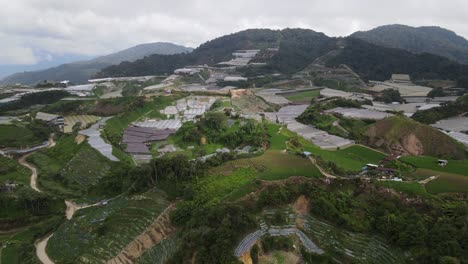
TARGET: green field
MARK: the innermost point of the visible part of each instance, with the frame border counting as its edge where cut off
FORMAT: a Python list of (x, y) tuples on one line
[(351, 247), (412, 188), (17, 136), (236, 178), (273, 165), (99, 233), (448, 183), (19, 245), (10, 170), (69, 169), (160, 253), (454, 166), (305, 96), (351, 159)]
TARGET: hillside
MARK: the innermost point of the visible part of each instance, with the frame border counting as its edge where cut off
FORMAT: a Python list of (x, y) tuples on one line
[(434, 40), (79, 72), (404, 136), (298, 47), (373, 62)]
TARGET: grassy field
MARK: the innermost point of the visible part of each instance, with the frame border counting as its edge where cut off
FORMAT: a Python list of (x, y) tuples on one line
[(272, 165), (454, 166), (305, 96), (17, 136), (412, 188), (99, 233), (448, 183), (10, 170), (351, 159)]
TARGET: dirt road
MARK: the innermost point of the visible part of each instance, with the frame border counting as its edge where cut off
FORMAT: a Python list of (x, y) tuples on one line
[(41, 250), (33, 169), (73, 207), (326, 174), (23, 162)]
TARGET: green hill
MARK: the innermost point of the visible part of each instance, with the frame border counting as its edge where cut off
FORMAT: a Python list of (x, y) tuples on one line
[(402, 135), (434, 40)]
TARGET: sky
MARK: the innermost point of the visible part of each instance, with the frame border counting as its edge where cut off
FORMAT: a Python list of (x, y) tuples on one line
[(34, 31)]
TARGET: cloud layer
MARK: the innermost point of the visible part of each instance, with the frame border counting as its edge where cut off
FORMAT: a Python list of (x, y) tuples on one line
[(96, 27)]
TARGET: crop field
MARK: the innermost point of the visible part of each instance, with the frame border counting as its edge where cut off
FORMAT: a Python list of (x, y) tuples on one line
[(115, 126), (68, 167), (19, 245), (273, 165), (86, 168), (305, 96), (349, 245), (10, 170), (454, 166), (97, 234), (448, 183), (17, 136), (412, 188), (351, 159), (160, 253)]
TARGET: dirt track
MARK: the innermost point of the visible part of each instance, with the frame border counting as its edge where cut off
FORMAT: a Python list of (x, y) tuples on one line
[(41, 252)]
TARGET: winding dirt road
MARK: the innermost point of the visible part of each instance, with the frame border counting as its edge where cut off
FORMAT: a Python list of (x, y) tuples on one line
[(23, 162), (41, 250)]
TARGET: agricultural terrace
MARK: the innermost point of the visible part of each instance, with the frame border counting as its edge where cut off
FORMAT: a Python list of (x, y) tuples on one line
[(454, 166), (12, 171), (17, 136), (98, 234), (305, 96), (451, 178), (350, 159), (115, 126), (357, 246), (69, 168)]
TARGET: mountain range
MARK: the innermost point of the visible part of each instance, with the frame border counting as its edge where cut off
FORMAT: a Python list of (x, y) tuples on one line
[(434, 40), (422, 52), (81, 71), (299, 48)]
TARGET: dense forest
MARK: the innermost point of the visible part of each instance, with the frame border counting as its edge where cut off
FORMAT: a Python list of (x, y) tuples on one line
[(28, 100), (449, 109), (374, 62)]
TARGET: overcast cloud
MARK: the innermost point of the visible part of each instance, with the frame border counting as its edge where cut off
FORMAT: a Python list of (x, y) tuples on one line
[(97, 27)]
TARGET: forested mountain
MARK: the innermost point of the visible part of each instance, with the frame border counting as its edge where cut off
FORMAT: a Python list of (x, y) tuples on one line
[(81, 71), (298, 47), (434, 40), (374, 62)]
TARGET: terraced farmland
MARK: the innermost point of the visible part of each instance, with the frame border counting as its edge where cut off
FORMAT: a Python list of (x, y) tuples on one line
[(100, 233), (358, 247), (10, 170), (160, 253)]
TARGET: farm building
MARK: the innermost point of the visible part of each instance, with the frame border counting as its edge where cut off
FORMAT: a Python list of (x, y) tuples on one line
[(400, 78), (136, 138), (359, 113), (50, 118)]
